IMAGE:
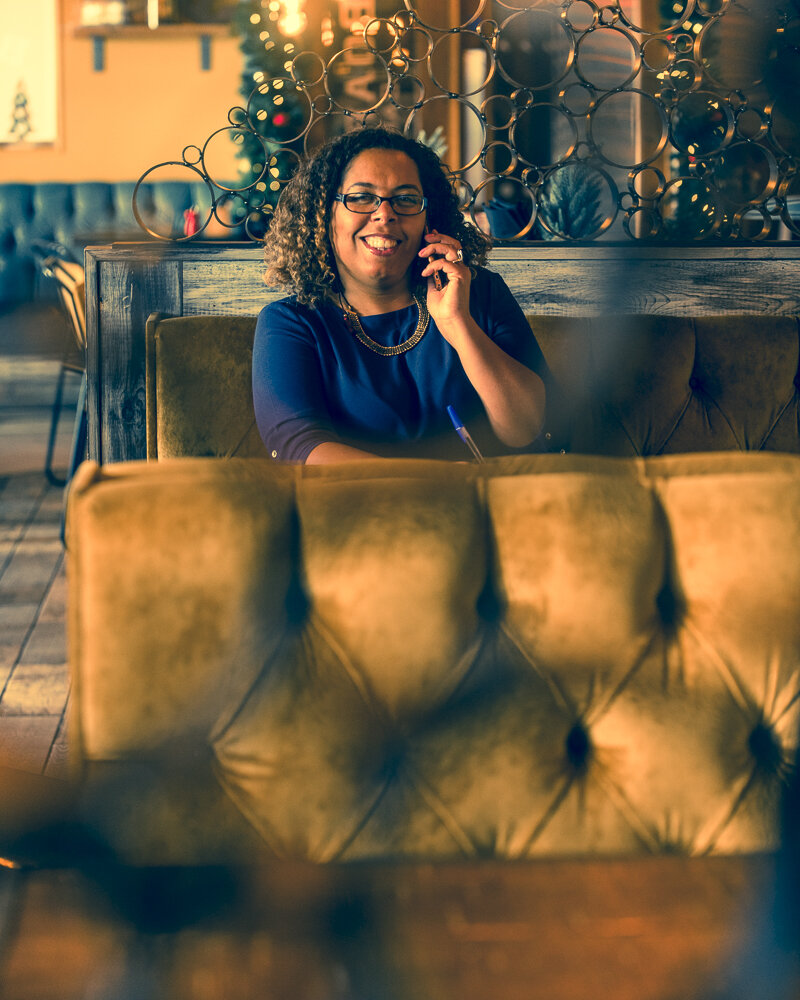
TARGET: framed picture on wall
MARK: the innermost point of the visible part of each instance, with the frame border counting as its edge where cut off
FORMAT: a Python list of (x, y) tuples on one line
[(28, 72)]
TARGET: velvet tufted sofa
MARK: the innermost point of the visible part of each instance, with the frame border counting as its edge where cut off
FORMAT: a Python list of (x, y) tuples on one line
[(76, 214), (624, 385), (542, 655)]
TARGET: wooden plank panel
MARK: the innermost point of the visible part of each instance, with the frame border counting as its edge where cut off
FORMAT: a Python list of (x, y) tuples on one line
[(16, 619), (242, 292), (25, 741), (37, 689), (693, 280), (46, 516), (47, 644), (19, 499), (58, 761), (54, 608), (667, 288), (129, 290), (570, 281), (27, 578), (91, 265)]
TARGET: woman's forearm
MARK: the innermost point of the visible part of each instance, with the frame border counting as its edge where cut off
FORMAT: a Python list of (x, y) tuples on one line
[(331, 451), (512, 395)]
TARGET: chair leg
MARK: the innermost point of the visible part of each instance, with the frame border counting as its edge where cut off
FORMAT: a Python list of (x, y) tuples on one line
[(80, 432), (77, 453), (51, 441)]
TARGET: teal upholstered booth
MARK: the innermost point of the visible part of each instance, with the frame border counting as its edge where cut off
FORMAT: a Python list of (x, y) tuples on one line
[(78, 214)]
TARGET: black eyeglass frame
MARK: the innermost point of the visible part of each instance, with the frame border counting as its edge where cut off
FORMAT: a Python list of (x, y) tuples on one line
[(381, 199)]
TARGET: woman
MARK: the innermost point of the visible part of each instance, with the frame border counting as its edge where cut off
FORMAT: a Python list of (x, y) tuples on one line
[(366, 356)]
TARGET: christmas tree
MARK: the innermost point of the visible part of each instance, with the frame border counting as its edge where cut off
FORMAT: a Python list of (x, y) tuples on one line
[(20, 117), (277, 111)]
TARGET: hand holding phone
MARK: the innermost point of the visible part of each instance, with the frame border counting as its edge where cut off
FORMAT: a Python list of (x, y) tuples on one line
[(439, 279)]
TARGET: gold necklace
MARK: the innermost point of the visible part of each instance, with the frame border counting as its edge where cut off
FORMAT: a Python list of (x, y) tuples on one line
[(353, 323)]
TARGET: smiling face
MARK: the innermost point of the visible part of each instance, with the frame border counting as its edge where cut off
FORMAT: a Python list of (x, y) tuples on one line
[(374, 252)]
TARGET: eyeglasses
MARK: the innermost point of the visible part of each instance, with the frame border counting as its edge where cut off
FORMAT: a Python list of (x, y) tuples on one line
[(362, 202)]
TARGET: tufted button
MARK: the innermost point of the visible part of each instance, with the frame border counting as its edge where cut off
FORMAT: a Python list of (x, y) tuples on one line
[(578, 746), (297, 603), (765, 748), (670, 607), (274, 454), (488, 604), (547, 436), (694, 383), (394, 752), (797, 381)]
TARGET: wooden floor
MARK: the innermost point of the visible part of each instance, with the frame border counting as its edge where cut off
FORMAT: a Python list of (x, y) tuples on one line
[(34, 684)]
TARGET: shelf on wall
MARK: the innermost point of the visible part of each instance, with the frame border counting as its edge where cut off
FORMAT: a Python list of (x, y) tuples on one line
[(132, 31), (101, 33)]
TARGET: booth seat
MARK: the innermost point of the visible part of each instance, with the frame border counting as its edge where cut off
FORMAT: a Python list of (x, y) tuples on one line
[(81, 213), (539, 656), (624, 385)]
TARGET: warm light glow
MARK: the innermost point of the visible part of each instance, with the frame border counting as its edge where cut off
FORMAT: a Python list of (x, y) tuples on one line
[(354, 17), (293, 19)]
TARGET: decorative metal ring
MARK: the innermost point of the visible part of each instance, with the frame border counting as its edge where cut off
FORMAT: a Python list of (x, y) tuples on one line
[(680, 17), (445, 25), (711, 136), (597, 123), (519, 23), (459, 257), (592, 38), (440, 59), (135, 206)]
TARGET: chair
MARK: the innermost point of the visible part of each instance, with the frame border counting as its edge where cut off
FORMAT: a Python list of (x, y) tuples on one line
[(70, 282), (199, 391)]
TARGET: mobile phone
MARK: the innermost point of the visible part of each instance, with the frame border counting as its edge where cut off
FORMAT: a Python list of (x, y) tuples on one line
[(439, 279)]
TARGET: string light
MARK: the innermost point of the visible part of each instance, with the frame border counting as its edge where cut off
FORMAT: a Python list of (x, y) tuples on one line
[(293, 18)]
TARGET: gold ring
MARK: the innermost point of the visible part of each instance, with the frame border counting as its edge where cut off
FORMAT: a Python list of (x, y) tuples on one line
[(459, 256)]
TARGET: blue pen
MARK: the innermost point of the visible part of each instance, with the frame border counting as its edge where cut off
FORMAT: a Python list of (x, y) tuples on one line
[(464, 434)]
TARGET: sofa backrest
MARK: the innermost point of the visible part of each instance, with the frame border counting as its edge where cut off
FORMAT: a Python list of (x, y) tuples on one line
[(544, 655), (643, 385)]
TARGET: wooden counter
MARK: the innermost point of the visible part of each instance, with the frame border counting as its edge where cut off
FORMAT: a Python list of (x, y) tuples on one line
[(125, 282)]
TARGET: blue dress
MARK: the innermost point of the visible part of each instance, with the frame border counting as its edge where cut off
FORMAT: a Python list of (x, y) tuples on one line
[(314, 381)]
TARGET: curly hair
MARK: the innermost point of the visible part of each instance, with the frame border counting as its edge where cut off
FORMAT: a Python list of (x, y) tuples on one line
[(298, 252)]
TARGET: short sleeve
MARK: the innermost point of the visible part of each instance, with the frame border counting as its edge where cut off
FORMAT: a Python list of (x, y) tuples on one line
[(288, 396), (499, 315)]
